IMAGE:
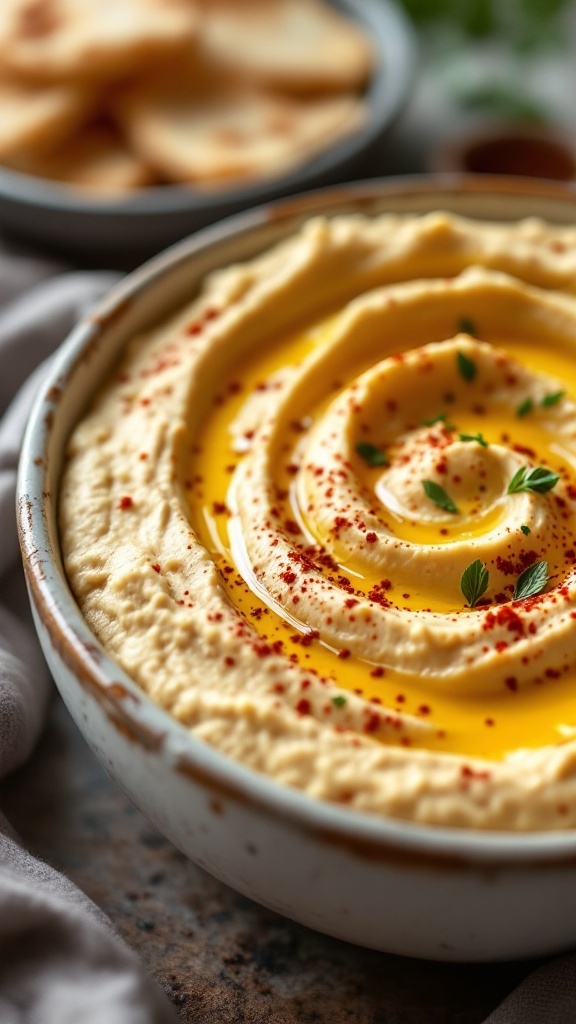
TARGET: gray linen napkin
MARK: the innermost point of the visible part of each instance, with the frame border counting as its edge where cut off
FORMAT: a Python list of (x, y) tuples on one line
[(60, 959)]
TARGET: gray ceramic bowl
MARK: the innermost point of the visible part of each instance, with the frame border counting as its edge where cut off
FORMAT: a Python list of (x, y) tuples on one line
[(126, 231), (395, 886)]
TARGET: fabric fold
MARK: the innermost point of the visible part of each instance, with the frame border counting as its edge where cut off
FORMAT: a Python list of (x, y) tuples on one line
[(60, 958)]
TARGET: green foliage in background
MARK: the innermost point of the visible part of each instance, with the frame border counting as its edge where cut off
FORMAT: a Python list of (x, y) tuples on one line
[(521, 30), (524, 24)]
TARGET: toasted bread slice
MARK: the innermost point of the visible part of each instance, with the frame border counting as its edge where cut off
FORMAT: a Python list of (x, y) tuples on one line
[(95, 160), (294, 45), (35, 120), (91, 40), (211, 130)]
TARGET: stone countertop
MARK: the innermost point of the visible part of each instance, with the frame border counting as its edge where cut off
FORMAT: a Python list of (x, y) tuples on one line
[(221, 958)]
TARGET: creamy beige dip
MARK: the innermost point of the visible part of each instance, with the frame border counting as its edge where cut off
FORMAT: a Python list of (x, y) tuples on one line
[(326, 517)]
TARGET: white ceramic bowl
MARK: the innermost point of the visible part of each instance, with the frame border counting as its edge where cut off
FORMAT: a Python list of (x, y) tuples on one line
[(420, 891), (125, 231)]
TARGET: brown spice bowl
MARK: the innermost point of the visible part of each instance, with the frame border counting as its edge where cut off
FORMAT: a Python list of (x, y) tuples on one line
[(525, 150)]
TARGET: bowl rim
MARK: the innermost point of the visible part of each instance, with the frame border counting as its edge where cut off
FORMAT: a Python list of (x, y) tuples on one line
[(394, 39), (129, 708)]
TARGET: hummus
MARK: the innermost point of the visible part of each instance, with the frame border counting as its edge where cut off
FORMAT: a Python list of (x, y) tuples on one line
[(326, 517)]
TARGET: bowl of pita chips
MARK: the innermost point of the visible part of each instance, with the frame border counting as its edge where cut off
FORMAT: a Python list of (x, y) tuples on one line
[(128, 124)]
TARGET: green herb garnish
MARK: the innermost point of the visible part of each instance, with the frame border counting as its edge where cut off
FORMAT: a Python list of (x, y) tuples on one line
[(438, 495), (525, 530), (537, 479), (338, 702), (466, 366), (467, 326), (532, 581), (442, 417), (474, 437), (549, 400), (525, 407), (372, 455), (474, 582)]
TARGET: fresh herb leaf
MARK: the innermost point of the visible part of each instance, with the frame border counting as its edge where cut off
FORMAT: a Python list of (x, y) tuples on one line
[(372, 455), (549, 400), (438, 495), (467, 326), (537, 479), (474, 582), (466, 366), (525, 530), (474, 437), (339, 701), (525, 407), (532, 581), (442, 417)]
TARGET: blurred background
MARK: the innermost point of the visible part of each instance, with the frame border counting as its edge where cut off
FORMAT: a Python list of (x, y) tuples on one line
[(129, 124), (486, 68)]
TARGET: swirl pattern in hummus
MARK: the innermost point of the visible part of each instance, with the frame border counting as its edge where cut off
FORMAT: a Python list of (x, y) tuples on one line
[(249, 523)]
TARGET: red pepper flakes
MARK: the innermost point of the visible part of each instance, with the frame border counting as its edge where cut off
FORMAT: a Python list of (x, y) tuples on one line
[(424, 709), (209, 314), (291, 526), (372, 722), (340, 523), (344, 653), (509, 568), (125, 503), (303, 706), (156, 567), (278, 687), (305, 639), (400, 698), (262, 650), (552, 673), (371, 537), (489, 721), (377, 594), (219, 508), (288, 576), (229, 661), (377, 672), (511, 683), (471, 773), (522, 449), (505, 616)]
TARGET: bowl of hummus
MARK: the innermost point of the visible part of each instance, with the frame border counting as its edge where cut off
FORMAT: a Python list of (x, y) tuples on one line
[(297, 507)]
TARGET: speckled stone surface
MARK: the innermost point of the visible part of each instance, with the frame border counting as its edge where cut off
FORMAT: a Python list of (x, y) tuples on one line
[(221, 958)]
